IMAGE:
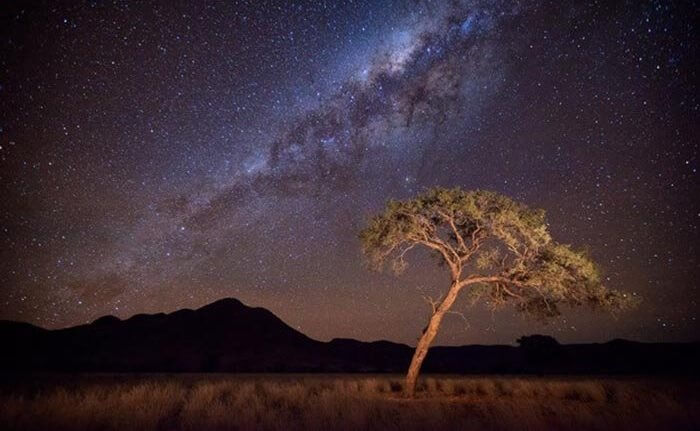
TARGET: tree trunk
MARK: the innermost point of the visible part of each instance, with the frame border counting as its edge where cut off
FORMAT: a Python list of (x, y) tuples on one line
[(427, 338)]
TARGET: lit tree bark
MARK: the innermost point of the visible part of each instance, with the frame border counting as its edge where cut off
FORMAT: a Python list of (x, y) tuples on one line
[(427, 338)]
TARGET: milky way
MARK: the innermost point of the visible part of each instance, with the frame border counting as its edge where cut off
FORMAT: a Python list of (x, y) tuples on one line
[(156, 157)]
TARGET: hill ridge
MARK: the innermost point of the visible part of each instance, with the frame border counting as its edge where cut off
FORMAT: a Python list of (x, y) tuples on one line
[(230, 336)]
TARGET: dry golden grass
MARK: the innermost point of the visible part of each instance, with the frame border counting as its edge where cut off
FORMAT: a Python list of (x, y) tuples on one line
[(345, 402)]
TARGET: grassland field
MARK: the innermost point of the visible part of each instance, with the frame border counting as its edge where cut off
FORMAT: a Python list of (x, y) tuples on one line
[(345, 402)]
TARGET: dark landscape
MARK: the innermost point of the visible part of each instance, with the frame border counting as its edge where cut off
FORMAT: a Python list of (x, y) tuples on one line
[(228, 336), (229, 366)]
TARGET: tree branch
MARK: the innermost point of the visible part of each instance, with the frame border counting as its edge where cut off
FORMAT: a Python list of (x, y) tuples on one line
[(401, 255), (491, 279), (477, 239), (451, 221), (429, 235), (433, 302), (454, 268), (460, 314)]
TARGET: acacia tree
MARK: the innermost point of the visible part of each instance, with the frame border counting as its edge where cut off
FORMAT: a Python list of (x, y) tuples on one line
[(497, 249)]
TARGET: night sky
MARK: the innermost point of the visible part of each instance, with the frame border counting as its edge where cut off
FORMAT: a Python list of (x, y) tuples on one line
[(161, 155)]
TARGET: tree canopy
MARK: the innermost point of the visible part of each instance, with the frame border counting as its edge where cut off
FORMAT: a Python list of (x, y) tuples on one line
[(507, 247)]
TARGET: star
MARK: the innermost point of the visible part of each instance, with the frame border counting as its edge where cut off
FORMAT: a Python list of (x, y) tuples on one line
[(154, 157)]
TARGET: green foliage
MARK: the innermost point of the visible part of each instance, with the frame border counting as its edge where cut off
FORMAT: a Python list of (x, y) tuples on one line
[(504, 246)]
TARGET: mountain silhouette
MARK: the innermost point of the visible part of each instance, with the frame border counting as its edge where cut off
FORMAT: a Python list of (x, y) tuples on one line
[(228, 336)]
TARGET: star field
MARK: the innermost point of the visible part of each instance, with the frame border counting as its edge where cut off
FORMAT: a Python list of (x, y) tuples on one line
[(161, 156)]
